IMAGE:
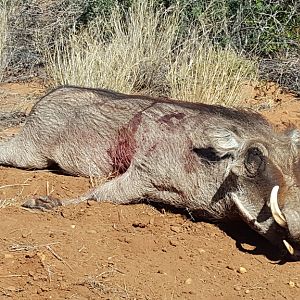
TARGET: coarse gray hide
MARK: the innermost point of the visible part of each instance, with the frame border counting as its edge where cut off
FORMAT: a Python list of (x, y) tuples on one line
[(219, 162)]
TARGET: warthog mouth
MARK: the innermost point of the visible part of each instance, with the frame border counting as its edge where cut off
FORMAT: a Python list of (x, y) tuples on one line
[(276, 213), (280, 218)]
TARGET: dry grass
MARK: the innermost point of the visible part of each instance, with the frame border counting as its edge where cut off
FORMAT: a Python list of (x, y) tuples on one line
[(113, 53), (203, 73), (8, 202), (4, 12), (102, 283), (142, 53)]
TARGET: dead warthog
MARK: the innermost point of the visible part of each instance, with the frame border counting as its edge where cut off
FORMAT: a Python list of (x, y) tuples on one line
[(216, 161)]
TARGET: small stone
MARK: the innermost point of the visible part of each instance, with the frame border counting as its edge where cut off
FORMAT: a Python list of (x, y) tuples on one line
[(200, 250), (30, 282), (127, 240), (242, 270), (176, 229), (247, 291), (73, 226), (8, 256), (292, 284), (91, 231), (164, 249), (138, 224), (42, 256), (91, 202), (151, 221), (189, 281), (174, 243), (248, 247), (237, 288)]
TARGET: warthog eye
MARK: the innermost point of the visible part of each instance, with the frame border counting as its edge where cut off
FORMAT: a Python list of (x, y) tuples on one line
[(254, 161)]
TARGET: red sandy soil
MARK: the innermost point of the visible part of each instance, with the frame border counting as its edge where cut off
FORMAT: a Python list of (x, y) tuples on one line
[(105, 251)]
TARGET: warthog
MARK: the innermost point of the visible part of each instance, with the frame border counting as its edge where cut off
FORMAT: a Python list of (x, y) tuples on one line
[(216, 161)]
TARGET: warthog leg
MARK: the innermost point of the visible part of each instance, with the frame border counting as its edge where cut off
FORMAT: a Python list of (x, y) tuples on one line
[(21, 152), (124, 189)]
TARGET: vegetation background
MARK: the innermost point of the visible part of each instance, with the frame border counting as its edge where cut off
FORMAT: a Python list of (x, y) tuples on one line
[(192, 50)]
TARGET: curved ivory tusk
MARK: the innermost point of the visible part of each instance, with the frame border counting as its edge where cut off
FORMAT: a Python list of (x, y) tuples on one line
[(276, 212), (289, 247)]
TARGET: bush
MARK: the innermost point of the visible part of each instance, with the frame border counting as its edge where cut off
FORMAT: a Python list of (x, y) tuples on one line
[(34, 25), (141, 50), (265, 28)]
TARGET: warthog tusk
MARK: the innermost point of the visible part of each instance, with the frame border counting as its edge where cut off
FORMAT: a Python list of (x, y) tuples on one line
[(276, 212), (289, 247)]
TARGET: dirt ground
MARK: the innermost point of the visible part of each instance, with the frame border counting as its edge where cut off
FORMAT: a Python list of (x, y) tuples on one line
[(105, 251)]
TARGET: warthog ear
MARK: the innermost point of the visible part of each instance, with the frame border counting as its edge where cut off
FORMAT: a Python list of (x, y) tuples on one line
[(224, 140)]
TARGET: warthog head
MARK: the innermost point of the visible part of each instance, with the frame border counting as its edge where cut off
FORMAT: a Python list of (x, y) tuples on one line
[(266, 177)]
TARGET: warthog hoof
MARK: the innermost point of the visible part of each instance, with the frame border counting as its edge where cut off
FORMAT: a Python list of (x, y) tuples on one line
[(42, 203)]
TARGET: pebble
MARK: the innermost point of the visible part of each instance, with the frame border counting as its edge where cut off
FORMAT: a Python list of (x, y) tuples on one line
[(248, 247), (92, 231), (138, 224), (176, 229), (73, 226), (242, 270), (237, 288), (292, 284), (151, 221), (173, 243), (127, 240), (41, 256), (189, 281), (8, 255), (200, 250)]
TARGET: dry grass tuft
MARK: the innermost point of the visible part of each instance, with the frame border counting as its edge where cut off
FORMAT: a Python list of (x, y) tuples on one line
[(104, 283), (125, 55), (203, 73), (4, 12), (8, 202), (142, 52)]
